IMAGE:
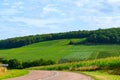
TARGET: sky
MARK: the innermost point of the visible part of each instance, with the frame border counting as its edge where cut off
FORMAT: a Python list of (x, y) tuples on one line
[(30, 17)]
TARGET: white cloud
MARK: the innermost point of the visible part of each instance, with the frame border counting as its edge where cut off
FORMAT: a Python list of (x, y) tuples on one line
[(50, 8), (5, 4), (50, 15), (17, 5), (80, 3), (113, 1), (8, 11), (38, 22), (8, 8), (103, 22)]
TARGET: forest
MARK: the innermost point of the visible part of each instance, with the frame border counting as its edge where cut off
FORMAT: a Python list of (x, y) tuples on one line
[(100, 36)]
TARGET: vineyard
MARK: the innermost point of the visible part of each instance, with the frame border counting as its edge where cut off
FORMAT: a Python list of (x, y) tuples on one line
[(60, 50)]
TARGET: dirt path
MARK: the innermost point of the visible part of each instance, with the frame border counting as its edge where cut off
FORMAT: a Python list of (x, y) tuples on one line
[(52, 75)]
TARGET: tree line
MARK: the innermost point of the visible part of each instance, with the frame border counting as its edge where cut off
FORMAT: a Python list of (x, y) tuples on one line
[(105, 36), (18, 64), (26, 40), (111, 35), (101, 36)]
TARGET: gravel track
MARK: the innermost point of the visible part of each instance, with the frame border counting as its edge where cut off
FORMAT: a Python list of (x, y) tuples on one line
[(52, 75)]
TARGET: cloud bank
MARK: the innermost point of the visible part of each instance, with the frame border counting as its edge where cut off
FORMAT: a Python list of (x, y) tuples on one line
[(26, 17)]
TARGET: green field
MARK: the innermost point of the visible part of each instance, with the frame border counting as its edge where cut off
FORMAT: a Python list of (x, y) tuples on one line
[(100, 75), (13, 73), (59, 49)]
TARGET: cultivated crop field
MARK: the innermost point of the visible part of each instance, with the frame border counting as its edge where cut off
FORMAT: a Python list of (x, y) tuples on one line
[(113, 62), (59, 49)]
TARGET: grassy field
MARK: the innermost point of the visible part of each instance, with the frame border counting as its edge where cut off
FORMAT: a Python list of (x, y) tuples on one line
[(100, 75), (59, 49), (12, 73)]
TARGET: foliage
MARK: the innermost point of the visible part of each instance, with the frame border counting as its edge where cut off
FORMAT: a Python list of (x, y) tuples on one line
[(26, 40), (13, 63), (40, 62), (17, 64), (103, 36)]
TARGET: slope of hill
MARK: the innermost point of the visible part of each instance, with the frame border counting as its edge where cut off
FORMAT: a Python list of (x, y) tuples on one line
[(100, 36), (59, 50)]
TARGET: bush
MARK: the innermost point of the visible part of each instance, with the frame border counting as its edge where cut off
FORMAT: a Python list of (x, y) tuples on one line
[(17, 64), (40, 62)]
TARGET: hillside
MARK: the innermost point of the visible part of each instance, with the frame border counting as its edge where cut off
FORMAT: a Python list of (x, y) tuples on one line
[(100, 36), (59, 50)]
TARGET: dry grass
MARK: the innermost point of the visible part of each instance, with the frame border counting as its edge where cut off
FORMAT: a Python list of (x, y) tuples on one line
[(3, 69), (87, 68)]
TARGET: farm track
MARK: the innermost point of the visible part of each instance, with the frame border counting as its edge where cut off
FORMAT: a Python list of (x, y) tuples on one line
[(52, 75)]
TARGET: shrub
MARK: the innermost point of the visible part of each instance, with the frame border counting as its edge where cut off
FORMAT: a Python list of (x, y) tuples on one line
[(17, 64), (40, 62)]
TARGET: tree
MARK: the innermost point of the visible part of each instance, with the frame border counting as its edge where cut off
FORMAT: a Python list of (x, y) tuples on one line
[(15, 64)]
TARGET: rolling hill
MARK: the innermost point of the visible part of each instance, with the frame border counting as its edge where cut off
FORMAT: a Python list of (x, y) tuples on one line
[(59, 50), (100, 36)]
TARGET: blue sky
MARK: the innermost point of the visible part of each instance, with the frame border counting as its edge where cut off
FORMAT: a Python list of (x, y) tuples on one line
[(29, 17)]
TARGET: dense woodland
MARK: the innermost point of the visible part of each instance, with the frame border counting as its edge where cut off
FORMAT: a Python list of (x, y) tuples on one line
[(105, 36), (22, 41), (100, 36)]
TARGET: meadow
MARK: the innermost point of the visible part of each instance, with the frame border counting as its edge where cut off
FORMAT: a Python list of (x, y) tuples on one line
[(100, 75), (59, 50), (12, 73)]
